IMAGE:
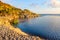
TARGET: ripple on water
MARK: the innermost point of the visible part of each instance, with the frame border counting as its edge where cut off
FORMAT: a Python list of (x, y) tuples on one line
[(47, 27)]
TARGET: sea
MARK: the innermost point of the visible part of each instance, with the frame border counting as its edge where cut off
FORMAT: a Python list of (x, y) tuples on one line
[(46, 27), (49, 15)]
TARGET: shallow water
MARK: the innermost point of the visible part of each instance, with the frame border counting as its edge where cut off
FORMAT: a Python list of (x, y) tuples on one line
[(46, 27)]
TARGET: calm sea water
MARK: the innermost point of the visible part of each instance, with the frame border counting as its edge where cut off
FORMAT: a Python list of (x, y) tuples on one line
[(49, 14), (46, 26)]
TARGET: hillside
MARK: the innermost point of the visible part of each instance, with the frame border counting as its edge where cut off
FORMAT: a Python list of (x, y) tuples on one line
[(12, 12), (9, 15)]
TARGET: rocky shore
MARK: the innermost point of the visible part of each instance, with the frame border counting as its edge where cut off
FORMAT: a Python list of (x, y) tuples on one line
[(7, 34), (10, 14)]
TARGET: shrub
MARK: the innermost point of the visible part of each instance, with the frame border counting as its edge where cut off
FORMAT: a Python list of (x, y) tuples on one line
[(15, 22)]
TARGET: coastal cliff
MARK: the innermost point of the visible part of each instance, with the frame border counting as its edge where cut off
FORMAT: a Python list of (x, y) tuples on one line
[(8, 15)]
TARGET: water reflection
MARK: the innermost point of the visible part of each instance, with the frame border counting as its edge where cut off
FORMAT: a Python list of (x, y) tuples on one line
[(47, 27)]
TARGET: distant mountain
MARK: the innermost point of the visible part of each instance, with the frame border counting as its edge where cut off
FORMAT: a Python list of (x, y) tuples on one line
[(11, 12)]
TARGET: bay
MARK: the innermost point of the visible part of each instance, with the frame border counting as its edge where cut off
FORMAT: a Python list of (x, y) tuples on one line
[(46, 26)]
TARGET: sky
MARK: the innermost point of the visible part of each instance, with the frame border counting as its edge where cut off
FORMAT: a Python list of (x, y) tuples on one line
[(37, 6)]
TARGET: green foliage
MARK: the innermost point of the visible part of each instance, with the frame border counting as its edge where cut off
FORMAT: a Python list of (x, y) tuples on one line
[(8, 10), (15, 21), (13, 14)]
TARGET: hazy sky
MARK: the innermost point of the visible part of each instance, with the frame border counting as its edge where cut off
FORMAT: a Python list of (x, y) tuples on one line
[(38, 6)]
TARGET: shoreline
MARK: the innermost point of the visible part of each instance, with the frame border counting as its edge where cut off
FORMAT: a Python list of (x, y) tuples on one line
[(6, 24)]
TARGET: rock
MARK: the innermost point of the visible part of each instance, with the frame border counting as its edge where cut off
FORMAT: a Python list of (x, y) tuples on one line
[(7, 34)]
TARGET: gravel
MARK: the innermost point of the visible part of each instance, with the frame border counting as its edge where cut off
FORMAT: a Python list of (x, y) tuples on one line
[(7, 34)]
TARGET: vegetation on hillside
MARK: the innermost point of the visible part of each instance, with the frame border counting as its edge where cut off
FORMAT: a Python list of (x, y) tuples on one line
[(12, 13)]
